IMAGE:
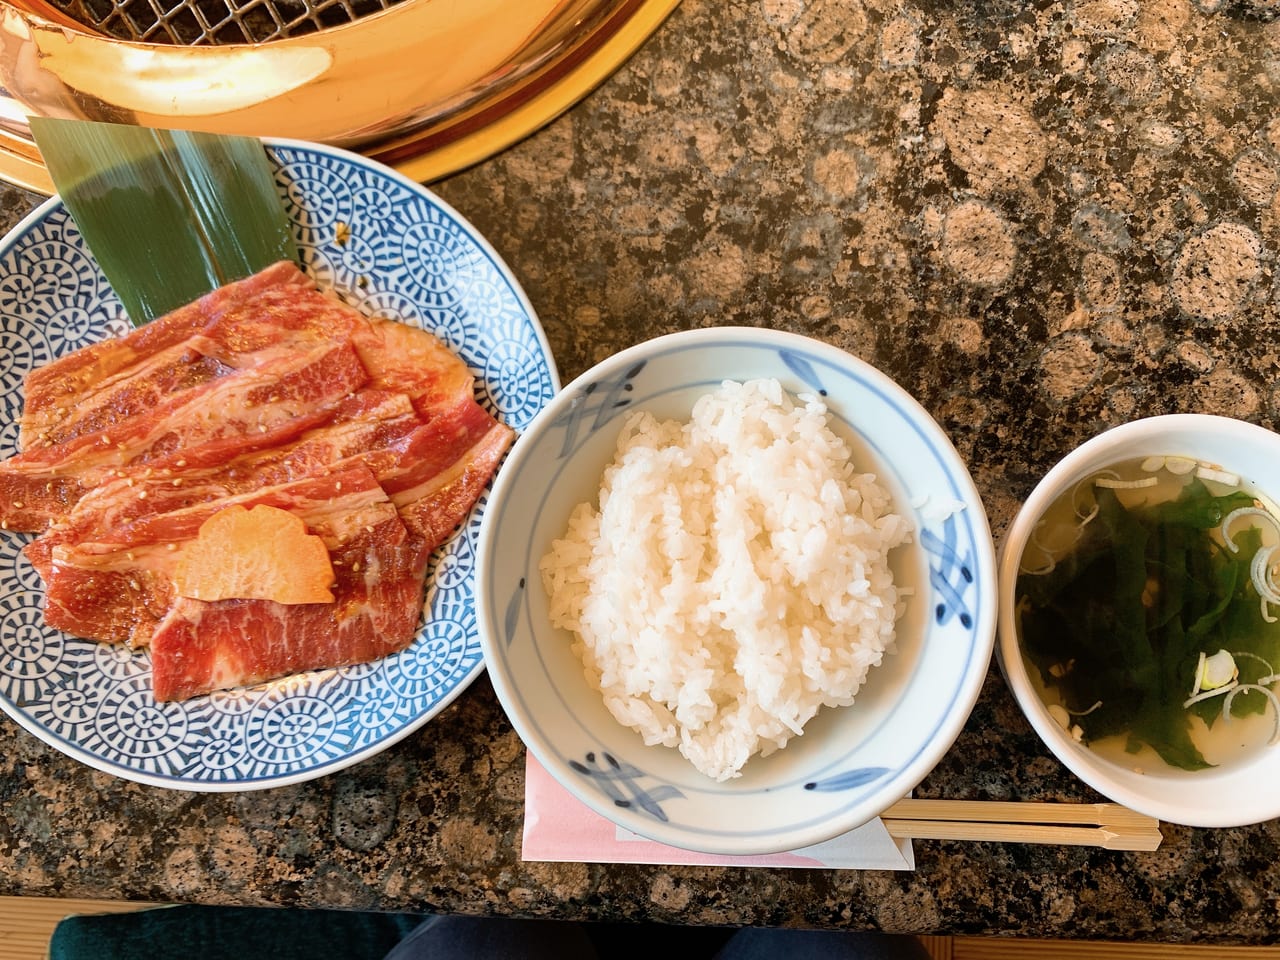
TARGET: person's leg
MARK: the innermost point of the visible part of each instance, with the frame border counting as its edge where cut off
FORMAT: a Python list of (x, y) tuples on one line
[(480, 938), (249, 932), (764, 943)]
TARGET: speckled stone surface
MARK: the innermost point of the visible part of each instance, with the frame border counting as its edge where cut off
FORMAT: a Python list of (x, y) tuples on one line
[(1041, 218)]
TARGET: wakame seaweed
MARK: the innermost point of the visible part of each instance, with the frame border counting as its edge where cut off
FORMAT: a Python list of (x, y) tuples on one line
[(1117, 626)]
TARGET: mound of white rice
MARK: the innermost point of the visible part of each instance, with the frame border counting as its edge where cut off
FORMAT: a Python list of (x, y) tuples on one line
[(735, 578)]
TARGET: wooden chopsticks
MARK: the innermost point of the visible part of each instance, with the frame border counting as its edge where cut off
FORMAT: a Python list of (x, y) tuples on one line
[(1107, 825)]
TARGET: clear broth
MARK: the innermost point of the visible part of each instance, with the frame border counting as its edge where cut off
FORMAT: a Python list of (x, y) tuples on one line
[(1225, 743)]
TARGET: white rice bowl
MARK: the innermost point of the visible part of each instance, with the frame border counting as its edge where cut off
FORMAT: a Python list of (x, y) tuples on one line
[(912, 666), (734, 579)]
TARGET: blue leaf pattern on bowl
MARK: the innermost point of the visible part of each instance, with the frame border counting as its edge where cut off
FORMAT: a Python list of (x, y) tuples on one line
[(617, 781), (952, 576), (613, 399), (509, 620), (848, 780), (803, 369), (603, 399)]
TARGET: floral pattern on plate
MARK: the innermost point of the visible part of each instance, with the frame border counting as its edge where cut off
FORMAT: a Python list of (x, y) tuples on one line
[(389, 246)]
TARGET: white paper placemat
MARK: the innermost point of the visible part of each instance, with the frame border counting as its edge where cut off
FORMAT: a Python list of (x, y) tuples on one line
[(559, 827)]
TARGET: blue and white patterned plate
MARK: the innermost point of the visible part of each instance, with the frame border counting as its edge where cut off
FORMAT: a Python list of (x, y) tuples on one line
[(407, 255), (851, 763)]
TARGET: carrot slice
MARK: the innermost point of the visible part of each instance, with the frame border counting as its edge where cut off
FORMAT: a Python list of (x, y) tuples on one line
[(259, 554)]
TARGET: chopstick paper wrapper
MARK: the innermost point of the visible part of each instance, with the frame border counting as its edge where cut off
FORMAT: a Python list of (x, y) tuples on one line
[(557, 826)]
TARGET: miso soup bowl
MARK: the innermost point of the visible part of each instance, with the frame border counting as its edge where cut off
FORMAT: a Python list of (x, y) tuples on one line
[(850, 763), (1235, 793)]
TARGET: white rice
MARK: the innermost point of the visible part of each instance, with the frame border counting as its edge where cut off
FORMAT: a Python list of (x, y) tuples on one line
[(735, 578)]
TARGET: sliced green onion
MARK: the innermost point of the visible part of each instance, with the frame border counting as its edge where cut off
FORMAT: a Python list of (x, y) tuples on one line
[(1260, 574), (1219, 670), (1245, 654), (1218, 476), (1085, 713), (1114, 484), (1197, 676), (1234, 515), (1087, 483), (1210, 694), (1275, 707)]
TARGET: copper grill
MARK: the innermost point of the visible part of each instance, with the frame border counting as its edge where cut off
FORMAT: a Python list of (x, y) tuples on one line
[(428, 86), (191, 22)]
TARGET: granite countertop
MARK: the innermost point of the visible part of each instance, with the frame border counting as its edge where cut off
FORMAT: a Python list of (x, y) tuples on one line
[(1041, 218)]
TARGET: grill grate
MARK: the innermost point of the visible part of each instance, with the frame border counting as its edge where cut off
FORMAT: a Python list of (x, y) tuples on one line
[(209, 22)]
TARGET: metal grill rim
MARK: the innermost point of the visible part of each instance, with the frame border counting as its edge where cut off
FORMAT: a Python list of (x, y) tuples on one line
[(215, 22)]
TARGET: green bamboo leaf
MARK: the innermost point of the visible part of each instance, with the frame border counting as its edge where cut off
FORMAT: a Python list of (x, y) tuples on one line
[(168, 214)]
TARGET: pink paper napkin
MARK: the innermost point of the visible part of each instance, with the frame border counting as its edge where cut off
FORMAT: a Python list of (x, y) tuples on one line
[(557, 826)]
